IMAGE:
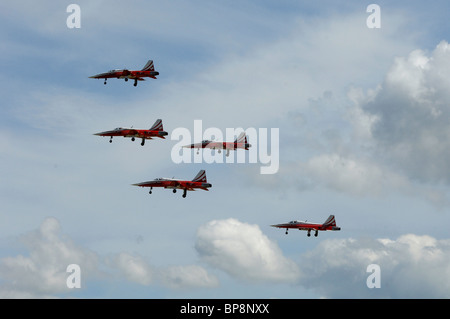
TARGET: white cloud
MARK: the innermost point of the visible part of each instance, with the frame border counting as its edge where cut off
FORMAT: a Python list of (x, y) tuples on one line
[(411, 132), (393, 137), (244, 252), (43, 271), (135, 268), (192, 276), (411, 266), (345, 174)]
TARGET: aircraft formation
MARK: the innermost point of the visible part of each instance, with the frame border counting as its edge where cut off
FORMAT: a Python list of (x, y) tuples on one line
[(199, 181)]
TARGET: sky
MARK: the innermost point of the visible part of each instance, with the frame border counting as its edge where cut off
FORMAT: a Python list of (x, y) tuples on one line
[(363, 122)]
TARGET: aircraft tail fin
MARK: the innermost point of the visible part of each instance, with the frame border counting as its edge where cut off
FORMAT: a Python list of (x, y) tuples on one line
[(149, 66), (200, 177), (242, 138), (331, 221), (158, 126)]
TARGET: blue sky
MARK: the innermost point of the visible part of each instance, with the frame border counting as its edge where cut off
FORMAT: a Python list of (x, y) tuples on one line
[(363, 121)]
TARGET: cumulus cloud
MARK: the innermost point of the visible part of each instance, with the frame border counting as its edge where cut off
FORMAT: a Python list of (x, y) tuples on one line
[(346, 174), (411, 115), (411, 266), (244, 252), (136, 269), (43, 271), (393, 137), (182, 277)]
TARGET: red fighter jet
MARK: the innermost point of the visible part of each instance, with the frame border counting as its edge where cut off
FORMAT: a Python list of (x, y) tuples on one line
[(155, 131), (199, 182), (240, 142), (329, 224), (147, 71)]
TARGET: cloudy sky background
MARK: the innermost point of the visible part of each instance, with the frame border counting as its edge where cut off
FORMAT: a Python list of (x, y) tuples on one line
[(364, 122)]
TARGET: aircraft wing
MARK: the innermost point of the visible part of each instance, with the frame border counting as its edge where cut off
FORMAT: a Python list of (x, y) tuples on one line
[(212, 145), (137, 78), (172, 184)]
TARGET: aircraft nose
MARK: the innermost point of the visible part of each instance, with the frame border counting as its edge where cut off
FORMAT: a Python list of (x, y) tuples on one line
[(102, 133)]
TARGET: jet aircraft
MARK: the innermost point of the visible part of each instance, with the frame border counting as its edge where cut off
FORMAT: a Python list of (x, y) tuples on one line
[(155, 131), (147, 71), (240, 142), (199, 182), (329, 224)]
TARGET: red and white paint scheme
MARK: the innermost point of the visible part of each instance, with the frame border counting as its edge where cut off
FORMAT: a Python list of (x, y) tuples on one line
[(155, 131), (199, 182), (329, 224), (240, 142), (147, 71)]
